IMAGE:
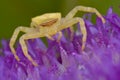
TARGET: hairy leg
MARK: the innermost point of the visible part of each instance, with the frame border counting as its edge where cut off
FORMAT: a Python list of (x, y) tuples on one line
[(73, 21), (14, 37), (72, 13), (24, 47)]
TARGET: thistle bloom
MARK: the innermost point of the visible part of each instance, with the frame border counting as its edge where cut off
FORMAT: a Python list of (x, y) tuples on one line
[(64, 60)]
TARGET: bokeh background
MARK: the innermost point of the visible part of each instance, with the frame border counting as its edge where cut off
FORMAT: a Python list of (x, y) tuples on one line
[(14, 13)]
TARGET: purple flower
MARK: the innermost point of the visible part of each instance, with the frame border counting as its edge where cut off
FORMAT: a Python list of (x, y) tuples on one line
[(64, 60)]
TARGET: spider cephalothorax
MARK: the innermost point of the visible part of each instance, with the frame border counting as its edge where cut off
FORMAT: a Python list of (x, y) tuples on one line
[(49, 24), (46, 20)]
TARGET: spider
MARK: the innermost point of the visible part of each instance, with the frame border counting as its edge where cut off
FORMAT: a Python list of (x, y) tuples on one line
[(49, 24)]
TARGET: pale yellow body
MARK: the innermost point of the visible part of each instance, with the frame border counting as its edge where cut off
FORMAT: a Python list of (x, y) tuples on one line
[(49, 24)]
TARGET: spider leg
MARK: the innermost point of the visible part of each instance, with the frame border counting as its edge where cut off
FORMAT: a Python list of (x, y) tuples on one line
[(73, 21), (72, 33), (72, 13), (32, 25), (24, 47), (49, 37), (14, 37), (59, 36)]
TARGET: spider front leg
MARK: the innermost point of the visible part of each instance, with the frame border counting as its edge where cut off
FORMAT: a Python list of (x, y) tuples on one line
[(59, 36), (24, 47), (14, 37), (73, 21), (72, 13)]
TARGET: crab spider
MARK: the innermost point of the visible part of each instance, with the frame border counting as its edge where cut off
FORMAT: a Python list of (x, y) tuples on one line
[(49, 24)]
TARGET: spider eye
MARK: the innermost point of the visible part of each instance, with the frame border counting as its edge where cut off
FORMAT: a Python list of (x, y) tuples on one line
[(33, 24)]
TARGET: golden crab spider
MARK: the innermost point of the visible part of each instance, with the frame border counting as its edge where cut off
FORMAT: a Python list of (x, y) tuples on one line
[(49, 24)]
